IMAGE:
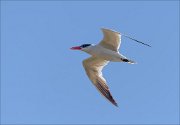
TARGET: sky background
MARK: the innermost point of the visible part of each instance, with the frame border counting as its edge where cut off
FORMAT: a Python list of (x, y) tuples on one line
[(43, 81)]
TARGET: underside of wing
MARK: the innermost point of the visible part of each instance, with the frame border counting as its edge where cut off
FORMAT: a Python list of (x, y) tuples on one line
[(93, 67), (111, 39), (104, 90)]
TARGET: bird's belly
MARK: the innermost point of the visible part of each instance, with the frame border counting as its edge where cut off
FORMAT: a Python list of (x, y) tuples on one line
[(111, 57), (107, 55)]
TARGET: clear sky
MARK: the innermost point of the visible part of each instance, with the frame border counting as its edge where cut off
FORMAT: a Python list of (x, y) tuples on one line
[(43, 81)]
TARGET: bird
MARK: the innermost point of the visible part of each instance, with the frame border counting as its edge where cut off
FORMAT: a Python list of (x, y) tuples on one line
[(101, 54)]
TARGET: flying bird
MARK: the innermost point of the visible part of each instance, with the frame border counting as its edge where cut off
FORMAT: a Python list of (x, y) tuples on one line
[(101, 55)]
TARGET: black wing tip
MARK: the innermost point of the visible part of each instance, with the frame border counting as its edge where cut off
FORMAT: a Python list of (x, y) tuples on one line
[(110, 98), (137, 40), (104, 90), (115, 104)]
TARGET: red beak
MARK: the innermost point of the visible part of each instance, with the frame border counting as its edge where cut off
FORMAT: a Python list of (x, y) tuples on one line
[(76, 48)]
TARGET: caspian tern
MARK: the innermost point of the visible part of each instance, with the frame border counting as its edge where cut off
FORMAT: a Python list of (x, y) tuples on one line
[(101, 54)]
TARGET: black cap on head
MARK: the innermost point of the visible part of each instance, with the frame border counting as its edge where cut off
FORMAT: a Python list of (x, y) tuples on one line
[(85, 45)]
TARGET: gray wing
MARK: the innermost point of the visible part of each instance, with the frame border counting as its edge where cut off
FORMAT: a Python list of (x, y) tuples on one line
[(93, 67), (111, 40)]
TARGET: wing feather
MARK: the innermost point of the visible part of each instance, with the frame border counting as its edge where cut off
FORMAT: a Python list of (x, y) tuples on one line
[(93, 67), (111, 40)]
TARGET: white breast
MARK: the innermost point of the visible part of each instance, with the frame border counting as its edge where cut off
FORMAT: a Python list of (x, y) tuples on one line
[(101, 52)]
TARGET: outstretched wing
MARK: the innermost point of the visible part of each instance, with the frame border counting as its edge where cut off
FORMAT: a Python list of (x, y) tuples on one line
[(111, 40), (93, 67)]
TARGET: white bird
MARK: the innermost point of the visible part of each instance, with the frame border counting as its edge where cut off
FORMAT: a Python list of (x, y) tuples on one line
[(101, 54)]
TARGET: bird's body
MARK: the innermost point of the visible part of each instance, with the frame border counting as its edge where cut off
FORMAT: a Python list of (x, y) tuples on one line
[(106, 54), (101, 54)]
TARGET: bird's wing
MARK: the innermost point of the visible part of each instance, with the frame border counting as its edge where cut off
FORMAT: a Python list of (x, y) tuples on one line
[(111, 40), (93, 67)]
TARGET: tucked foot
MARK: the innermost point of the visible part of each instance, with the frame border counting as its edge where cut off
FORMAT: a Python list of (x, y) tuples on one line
[(128, 61)]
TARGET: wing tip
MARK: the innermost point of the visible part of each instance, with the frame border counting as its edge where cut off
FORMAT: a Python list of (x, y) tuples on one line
[(104, 90), (115, 104), (113, 101), (107, 29)]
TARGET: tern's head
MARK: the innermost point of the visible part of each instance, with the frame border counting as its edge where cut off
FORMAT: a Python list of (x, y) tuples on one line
[(82, 47)]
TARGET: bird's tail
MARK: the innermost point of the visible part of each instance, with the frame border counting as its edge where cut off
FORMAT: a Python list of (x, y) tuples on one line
[(132, 62)]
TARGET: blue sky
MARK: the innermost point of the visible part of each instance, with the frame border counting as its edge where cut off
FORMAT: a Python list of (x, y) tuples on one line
[(43, 81)]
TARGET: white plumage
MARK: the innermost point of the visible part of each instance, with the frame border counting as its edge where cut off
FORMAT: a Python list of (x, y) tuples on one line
[(101, 54)]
